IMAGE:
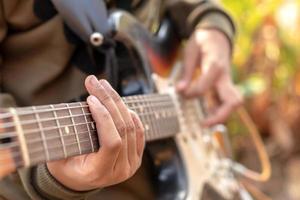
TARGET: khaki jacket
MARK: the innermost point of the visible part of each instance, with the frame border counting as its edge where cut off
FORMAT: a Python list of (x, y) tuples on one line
[(43, 62)]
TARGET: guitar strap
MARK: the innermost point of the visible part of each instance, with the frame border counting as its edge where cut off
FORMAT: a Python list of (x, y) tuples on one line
[(85, 18)]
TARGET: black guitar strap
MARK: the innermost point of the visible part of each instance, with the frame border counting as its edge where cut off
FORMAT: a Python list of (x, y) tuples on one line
[(85, 18)]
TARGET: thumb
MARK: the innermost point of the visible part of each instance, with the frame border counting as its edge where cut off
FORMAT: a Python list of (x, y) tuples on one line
[(191, 58)]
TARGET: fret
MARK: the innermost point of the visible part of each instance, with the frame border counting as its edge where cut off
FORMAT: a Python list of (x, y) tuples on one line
[(28, 138), (75, 129), (64, 130), (158, 120), (158, 129), (21, 137), (88, 127), (60, 132), (148, 111), (42, 133), (84, 125)]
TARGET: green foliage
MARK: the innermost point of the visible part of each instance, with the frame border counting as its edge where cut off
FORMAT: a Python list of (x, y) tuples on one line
[(262, 43)]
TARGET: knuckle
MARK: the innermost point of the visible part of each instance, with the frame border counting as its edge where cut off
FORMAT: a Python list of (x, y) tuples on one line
[(130, 127), (114, 145), (105, 97), (141, 128), (105, 114), (116, 97), (121, 127)]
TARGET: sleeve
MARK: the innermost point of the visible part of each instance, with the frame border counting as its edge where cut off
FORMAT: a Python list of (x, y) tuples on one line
[(40, 184), (191, 14)]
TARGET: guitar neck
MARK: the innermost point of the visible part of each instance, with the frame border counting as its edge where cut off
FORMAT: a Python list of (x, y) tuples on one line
[(43, 133)]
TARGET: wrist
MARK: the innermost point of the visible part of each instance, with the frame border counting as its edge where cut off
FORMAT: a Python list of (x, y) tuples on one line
[(62, 177)]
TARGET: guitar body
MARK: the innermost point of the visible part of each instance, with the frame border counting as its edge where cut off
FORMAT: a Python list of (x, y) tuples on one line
[(185, 165)]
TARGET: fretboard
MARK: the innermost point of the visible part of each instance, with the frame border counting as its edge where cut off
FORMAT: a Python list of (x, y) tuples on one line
[(52, 132)]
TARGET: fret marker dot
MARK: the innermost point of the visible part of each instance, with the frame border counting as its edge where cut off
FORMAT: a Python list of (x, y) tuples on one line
[(67, 130), (146, 127)]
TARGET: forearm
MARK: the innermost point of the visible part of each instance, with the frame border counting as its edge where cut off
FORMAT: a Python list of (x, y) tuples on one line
[(203, 14)]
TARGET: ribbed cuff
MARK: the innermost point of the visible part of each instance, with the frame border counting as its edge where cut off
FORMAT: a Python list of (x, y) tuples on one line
[(216, 20), (50, 188), (6, 100)]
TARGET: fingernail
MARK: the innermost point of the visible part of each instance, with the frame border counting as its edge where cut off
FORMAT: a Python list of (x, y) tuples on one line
[(92, 99), (94, 81)]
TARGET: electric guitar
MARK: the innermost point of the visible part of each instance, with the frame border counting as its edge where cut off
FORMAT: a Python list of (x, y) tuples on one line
[(185, 157)]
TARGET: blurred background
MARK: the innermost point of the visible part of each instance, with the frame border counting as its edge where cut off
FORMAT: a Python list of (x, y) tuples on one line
[(266, 67)]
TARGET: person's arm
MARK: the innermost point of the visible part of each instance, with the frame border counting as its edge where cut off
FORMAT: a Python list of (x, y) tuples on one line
[(189, 15), (210, 32)]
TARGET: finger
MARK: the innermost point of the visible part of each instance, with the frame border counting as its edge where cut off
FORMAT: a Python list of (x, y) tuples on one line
[(109, 138), (191, 58), (230, 98), (205, 81), (140, 136), (130, 128), (94, 87), (219, 116)]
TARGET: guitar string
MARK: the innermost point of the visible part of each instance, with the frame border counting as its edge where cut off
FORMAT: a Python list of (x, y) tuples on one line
[(40, 150), (53, 148), (127, 100), (79, 107), (60, 147), (170, 112), (28, 122), (14, 134), (60, 127), (17, 154)]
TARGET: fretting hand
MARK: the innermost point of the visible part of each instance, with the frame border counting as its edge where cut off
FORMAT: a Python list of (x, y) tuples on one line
[(121, 137)]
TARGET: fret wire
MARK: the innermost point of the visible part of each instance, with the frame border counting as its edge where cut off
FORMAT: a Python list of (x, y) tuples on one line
[(13, 134), (164, 97), (147, 117), (16, 154), (70, 144), (75, 130), (148, 139), (145, 120), (88, 127), (150, 116), (60, 133), (67, 145), (158, 122), (154, 121), (149, 121), (42, 133), (27, 122)]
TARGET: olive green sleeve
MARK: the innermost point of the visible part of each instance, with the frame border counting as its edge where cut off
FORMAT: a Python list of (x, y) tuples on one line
[(40, 184), (188, 15)]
